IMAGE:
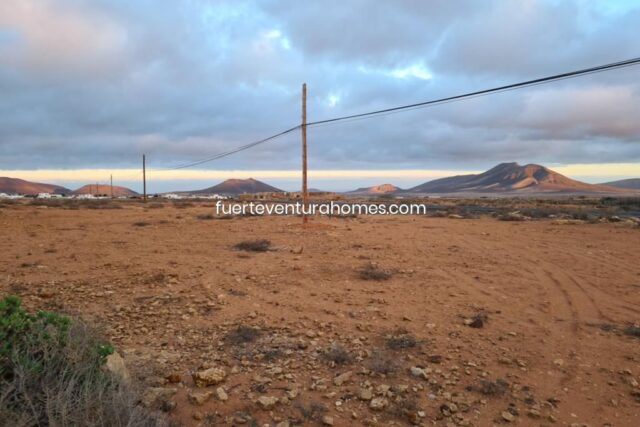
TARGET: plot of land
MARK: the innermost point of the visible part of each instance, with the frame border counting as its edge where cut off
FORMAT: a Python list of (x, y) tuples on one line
[(359, 321)]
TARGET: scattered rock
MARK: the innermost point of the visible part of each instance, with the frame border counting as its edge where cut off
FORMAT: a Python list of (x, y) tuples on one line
[(211, 376), (365, 394), (378, 403), (154, 394), (198, 397), (115, 364), (419, 372), (342, 378), (507, 416), (267, 402), (476, 321), (327, 420), (221, 394), (174, 378), (534, 413)]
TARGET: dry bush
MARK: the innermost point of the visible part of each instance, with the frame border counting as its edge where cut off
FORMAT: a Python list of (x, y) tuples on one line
[(404, 408), (7, 202), (227, 216), (156, 205), (632, 331), (155, 278), (260, 245), (183, 205), (101, 204), (337, 355), (242, 335), (371, 272), (478, 320), (512, 216), (401, 340), (491, 388), (205, 217), (314, 412), (51, 371), (383, 362)]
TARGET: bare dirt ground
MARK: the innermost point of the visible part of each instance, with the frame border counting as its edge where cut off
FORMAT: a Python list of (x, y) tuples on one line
[(480, 322)]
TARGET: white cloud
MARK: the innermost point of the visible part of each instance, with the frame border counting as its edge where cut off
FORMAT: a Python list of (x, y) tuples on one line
[(416, 71)]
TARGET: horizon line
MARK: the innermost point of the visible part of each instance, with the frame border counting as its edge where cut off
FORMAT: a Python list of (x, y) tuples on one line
[(622, 170)]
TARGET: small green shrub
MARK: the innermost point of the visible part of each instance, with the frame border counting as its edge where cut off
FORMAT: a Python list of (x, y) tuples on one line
[(52, 374)]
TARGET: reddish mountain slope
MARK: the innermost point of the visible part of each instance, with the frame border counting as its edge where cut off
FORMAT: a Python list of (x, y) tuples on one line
[(105, 190), (20, 186), (238, 186), (375, 190), (512, 177)]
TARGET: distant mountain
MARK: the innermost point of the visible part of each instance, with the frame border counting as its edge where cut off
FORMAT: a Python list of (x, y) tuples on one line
[(234, 187), (628, 184), (375, 190), (105, 190), (20, 186), (511, 178)]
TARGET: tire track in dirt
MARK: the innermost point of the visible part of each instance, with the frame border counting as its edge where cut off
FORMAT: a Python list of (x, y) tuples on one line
[(600, 298), (563, 308), (606, 300)]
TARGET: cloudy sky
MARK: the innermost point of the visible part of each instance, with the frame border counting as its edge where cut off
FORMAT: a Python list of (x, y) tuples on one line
[(87, 86)]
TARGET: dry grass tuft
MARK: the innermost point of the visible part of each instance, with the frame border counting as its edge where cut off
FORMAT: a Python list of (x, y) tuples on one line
[(491, 388), (372, 272), (242, 335), (205, 217), (314, 412), (260, 245), (338, 355), (632, 331), (383, 362), (401, 340)]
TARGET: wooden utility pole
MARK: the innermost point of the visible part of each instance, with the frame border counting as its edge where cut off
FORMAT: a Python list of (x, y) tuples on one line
[(144, 177), (305, 192), (111, 185)]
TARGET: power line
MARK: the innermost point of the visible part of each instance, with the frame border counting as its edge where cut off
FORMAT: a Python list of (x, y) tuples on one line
[(392, 110), (535, 82), (230, 152)]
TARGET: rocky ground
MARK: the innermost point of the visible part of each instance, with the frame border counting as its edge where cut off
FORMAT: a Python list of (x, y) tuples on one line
[(358, 321)]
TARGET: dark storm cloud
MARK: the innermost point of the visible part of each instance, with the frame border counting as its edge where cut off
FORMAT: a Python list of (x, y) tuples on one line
[(96, 83)]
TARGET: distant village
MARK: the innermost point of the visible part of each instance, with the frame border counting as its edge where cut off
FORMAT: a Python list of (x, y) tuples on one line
[(239, 189), (106, 196)]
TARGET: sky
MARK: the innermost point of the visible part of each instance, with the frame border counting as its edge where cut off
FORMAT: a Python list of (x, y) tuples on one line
[(87, 87)]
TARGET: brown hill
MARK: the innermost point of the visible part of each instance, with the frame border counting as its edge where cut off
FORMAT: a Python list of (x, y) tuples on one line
[(629, 184), (375, 190), (105, 190), (20, 186), (234, 187), (512, 178)]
